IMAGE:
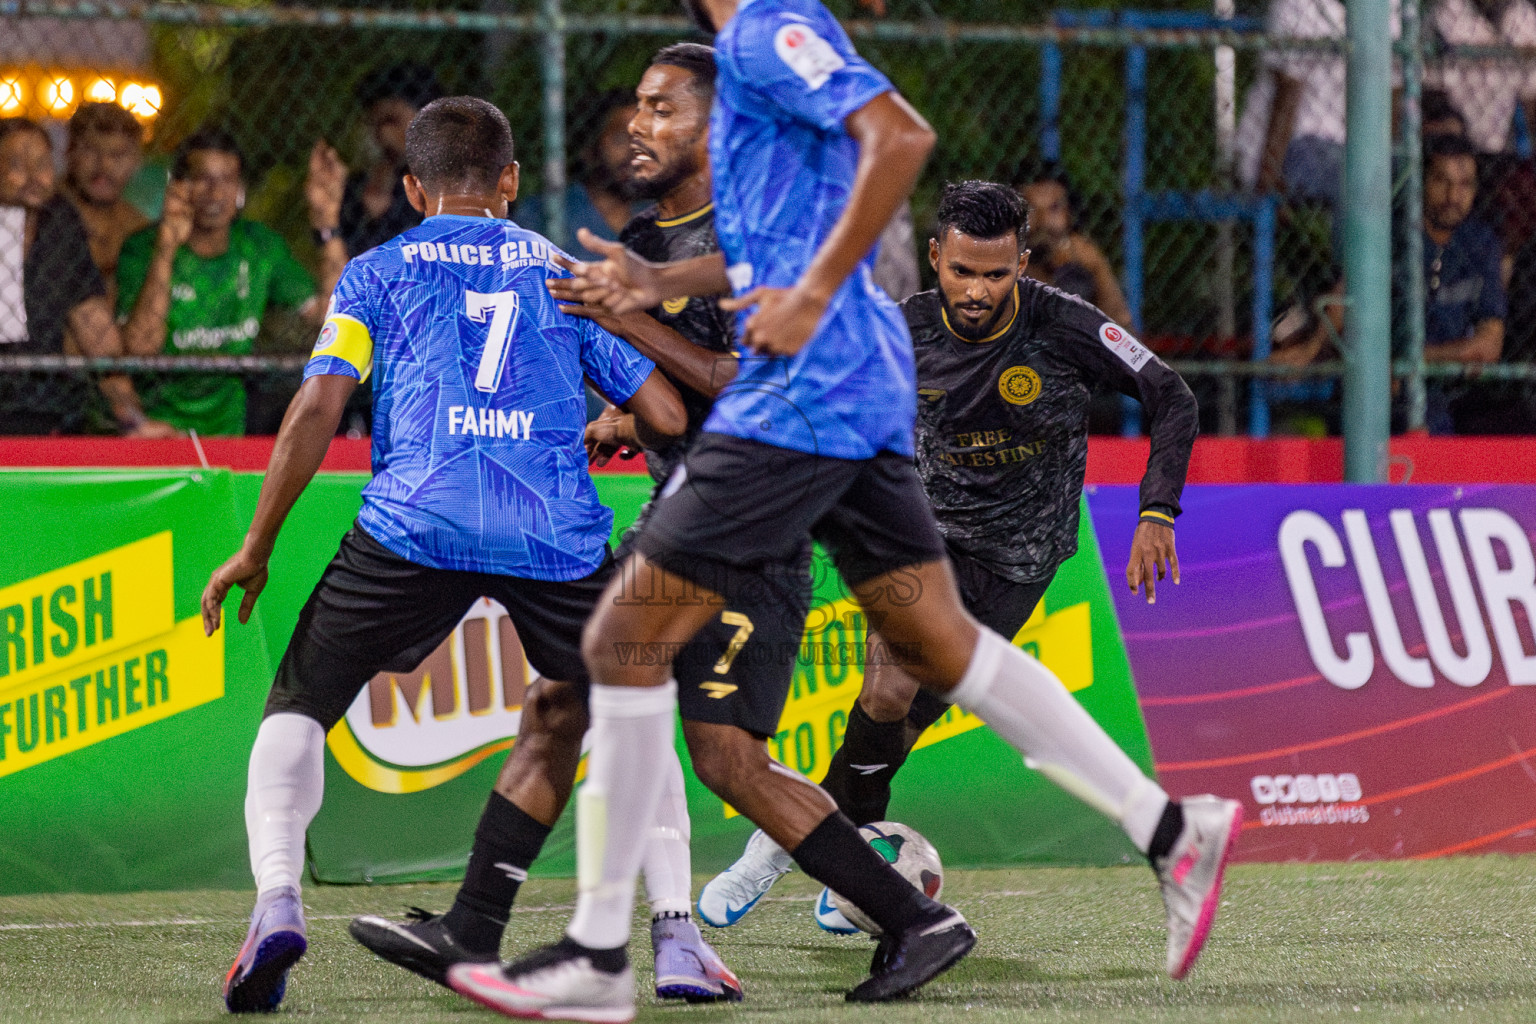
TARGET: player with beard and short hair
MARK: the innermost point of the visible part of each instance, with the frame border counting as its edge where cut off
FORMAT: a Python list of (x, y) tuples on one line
[(1005, 369), (811, 151), (669, 140), (693, 344)]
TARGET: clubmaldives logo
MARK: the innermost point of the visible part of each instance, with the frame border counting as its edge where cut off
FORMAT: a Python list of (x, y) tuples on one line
[(410, 731), (1309, 799)]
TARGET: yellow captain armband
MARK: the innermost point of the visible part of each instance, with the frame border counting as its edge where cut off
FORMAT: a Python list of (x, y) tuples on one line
[(346, 339), (1161, 518)]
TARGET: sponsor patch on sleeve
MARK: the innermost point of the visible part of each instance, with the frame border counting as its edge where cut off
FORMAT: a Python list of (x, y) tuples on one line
[(807, 54), (1130, 351)]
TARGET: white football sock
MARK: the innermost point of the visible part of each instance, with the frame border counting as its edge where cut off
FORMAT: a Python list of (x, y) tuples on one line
[(283, 791), (1026, 705), (668, 862), (631, 734)]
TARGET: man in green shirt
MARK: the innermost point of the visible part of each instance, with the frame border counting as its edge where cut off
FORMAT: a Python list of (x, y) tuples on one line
[(200, 282)]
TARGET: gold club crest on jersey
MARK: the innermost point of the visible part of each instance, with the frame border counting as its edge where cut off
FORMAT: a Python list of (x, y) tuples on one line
[(1019, 385)]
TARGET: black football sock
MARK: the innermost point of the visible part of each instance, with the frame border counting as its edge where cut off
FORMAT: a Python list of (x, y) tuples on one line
[(1169, 826), (838, 857), (610, 961), (925, 710), (859, 778), (507, 841)]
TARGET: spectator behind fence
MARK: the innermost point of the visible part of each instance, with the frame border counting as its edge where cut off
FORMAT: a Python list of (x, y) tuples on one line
[(104, 153), (368, 207), (599, 199), (201, 281), (50, 293), (1063, 257), (1464, 298), (1486, 90), (1291, 138)]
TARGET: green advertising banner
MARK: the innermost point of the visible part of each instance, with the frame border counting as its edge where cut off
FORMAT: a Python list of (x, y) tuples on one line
[(124, 732)]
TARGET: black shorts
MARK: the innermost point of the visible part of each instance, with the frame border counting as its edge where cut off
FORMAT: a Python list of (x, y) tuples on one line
[(1000, 604), (738, 511), (737, 670), (374, 611), (737, 518)]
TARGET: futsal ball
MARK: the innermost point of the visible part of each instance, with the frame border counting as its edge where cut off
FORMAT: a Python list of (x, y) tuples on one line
[(905, 849)]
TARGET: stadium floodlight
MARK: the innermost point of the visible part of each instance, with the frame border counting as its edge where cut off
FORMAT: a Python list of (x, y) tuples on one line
[(142, 101), (101, 90), (56, 92), (58, 95)]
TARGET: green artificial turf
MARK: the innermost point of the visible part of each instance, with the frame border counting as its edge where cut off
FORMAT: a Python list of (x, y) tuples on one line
[(1448, 940)]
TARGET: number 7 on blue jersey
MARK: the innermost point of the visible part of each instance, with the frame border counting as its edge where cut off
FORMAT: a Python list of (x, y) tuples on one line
[(503, 308)]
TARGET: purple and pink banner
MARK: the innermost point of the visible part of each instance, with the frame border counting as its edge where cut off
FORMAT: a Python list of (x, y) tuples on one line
[(1356, 664)]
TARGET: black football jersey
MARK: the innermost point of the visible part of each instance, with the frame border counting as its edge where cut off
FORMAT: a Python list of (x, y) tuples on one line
[(1002, 424), (700, 320)]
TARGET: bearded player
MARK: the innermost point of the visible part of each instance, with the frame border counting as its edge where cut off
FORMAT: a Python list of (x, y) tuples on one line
[(691, 343), (1005, 368), (812, 151)]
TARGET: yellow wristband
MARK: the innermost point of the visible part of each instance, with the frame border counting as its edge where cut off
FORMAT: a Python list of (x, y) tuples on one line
[(1161, 517)]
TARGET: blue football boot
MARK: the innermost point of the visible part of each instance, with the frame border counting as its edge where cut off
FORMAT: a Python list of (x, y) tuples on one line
[(276, 940), (687, 967)]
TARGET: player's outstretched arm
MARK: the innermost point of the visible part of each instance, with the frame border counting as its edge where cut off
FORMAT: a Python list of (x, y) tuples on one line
[(660, 417), (701, 369), (306, 433), (1175, 421), (623, 282), (894, 143)]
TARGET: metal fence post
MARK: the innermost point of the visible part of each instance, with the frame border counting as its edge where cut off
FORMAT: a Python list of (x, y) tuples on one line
[(1368, 242), (1413, 209), (1134, 183), (552, 42)]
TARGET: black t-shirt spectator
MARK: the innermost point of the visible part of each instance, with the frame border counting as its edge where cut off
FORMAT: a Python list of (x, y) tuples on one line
[(361, 233), (58, 275)]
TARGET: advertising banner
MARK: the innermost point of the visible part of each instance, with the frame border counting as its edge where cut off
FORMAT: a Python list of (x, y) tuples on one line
[(125, 733), (410, 765), (1354, 663), (123, 739)]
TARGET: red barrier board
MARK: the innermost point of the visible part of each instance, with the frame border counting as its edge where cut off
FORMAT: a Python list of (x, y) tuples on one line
[(1111, 460)]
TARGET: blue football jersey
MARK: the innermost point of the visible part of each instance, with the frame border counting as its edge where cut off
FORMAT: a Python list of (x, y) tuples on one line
[(478, 404), (783, 167)]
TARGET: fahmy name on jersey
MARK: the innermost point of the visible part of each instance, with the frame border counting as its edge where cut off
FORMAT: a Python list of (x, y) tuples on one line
[(470, 419), (512, 254), (1002, 451)]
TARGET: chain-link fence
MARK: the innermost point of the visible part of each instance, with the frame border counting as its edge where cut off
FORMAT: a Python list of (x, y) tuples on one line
[(1184, 164)]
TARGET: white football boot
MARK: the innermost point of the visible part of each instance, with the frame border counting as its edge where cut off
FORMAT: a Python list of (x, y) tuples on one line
[(553, 983), (830, 919), (1190, 876), (727, 897)]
